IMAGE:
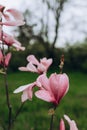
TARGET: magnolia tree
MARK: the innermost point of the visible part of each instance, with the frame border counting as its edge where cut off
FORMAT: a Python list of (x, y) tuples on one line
[(51, 89)]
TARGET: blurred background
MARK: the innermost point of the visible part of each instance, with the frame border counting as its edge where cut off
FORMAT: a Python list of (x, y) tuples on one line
[(52, 28)]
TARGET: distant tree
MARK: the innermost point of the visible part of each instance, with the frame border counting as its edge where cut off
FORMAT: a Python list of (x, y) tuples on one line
[(51, 12)]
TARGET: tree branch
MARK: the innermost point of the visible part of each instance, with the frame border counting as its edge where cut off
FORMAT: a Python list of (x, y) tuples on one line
[(57, 17)]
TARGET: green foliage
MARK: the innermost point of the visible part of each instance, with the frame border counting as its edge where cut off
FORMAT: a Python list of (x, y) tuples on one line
[(84, 66), (18, 59), (75, 56)]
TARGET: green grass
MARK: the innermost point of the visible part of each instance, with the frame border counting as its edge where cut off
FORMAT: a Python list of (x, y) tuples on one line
[(34, 114)]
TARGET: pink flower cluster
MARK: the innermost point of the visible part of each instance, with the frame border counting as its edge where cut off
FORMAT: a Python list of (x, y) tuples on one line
[(35, 66), (51, 89), (9, 17), (54, 88)]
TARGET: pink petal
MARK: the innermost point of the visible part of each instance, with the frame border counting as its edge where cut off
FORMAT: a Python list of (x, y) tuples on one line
[(1, 56), (43, 60), (13, 23), (0, 34), (62, 125), (46, 62), (49, 62), (23, 68), (30, 92), (41, 68), (39, 84), (7, 59), (18, 47), (44, 95), (8, 39), (32, 59), (31, 67), (6, 17), (54, 83), (24, 87), (44, 81), (27, 94), (16, 14), (71, 123), (24, 96), (59, 84), (64, 83)]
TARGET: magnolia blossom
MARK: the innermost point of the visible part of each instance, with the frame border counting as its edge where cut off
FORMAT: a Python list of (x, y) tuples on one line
[(10, 41), (27, 91), (11, 17), (52, 89), (35, 66), (4, 60), (71, 123)]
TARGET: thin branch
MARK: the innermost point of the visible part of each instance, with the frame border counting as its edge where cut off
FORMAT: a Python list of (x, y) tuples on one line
[(57, 17), (6, 83), (51, 122), (18, 112), (52, 117), (8, 101)]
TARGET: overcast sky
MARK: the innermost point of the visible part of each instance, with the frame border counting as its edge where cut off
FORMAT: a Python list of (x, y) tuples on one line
[(73, 21)]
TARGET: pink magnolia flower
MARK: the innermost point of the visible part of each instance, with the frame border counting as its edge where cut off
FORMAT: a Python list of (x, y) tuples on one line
[(35, 66), (5, 60), (27, 91), (54, 88), (10, 41), (71, 123), (11, 17)]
